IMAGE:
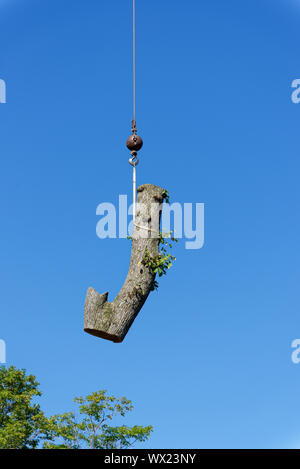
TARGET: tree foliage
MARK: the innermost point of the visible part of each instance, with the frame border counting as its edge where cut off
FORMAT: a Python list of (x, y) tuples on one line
[(22, 423), (24, 426), (92, 429), (163, 261)]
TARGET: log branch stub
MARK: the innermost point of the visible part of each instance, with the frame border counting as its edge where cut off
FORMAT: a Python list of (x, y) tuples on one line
[(112, 320)]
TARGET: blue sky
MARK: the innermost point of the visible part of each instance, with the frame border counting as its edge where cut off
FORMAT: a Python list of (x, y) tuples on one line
[(208, 360)]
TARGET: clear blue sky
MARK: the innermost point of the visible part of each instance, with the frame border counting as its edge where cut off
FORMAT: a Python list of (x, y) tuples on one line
[(208, 360)]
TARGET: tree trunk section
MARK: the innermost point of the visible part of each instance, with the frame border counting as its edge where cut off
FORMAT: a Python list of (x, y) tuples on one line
[(112, 321)]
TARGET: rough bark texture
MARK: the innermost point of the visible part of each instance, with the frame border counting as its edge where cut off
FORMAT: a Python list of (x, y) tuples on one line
[(112, 321)]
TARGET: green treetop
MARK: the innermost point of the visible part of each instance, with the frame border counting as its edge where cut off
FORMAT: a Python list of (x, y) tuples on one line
[(22, 423), (24, 426)]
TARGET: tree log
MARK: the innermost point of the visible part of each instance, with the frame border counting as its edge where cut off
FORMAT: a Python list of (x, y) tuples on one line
[(112, 321)]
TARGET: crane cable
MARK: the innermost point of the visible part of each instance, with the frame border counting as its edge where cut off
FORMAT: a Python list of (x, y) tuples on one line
[(134, 142), (134, 106), (133, 41)]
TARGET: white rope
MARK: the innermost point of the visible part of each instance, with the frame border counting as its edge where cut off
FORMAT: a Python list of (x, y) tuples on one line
[(134, 193), (147, 228)]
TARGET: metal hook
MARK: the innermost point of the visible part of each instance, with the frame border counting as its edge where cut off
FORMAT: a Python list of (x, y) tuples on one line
[(134, 160)]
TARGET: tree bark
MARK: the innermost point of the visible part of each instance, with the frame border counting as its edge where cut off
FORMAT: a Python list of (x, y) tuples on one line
[(112, 321)]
